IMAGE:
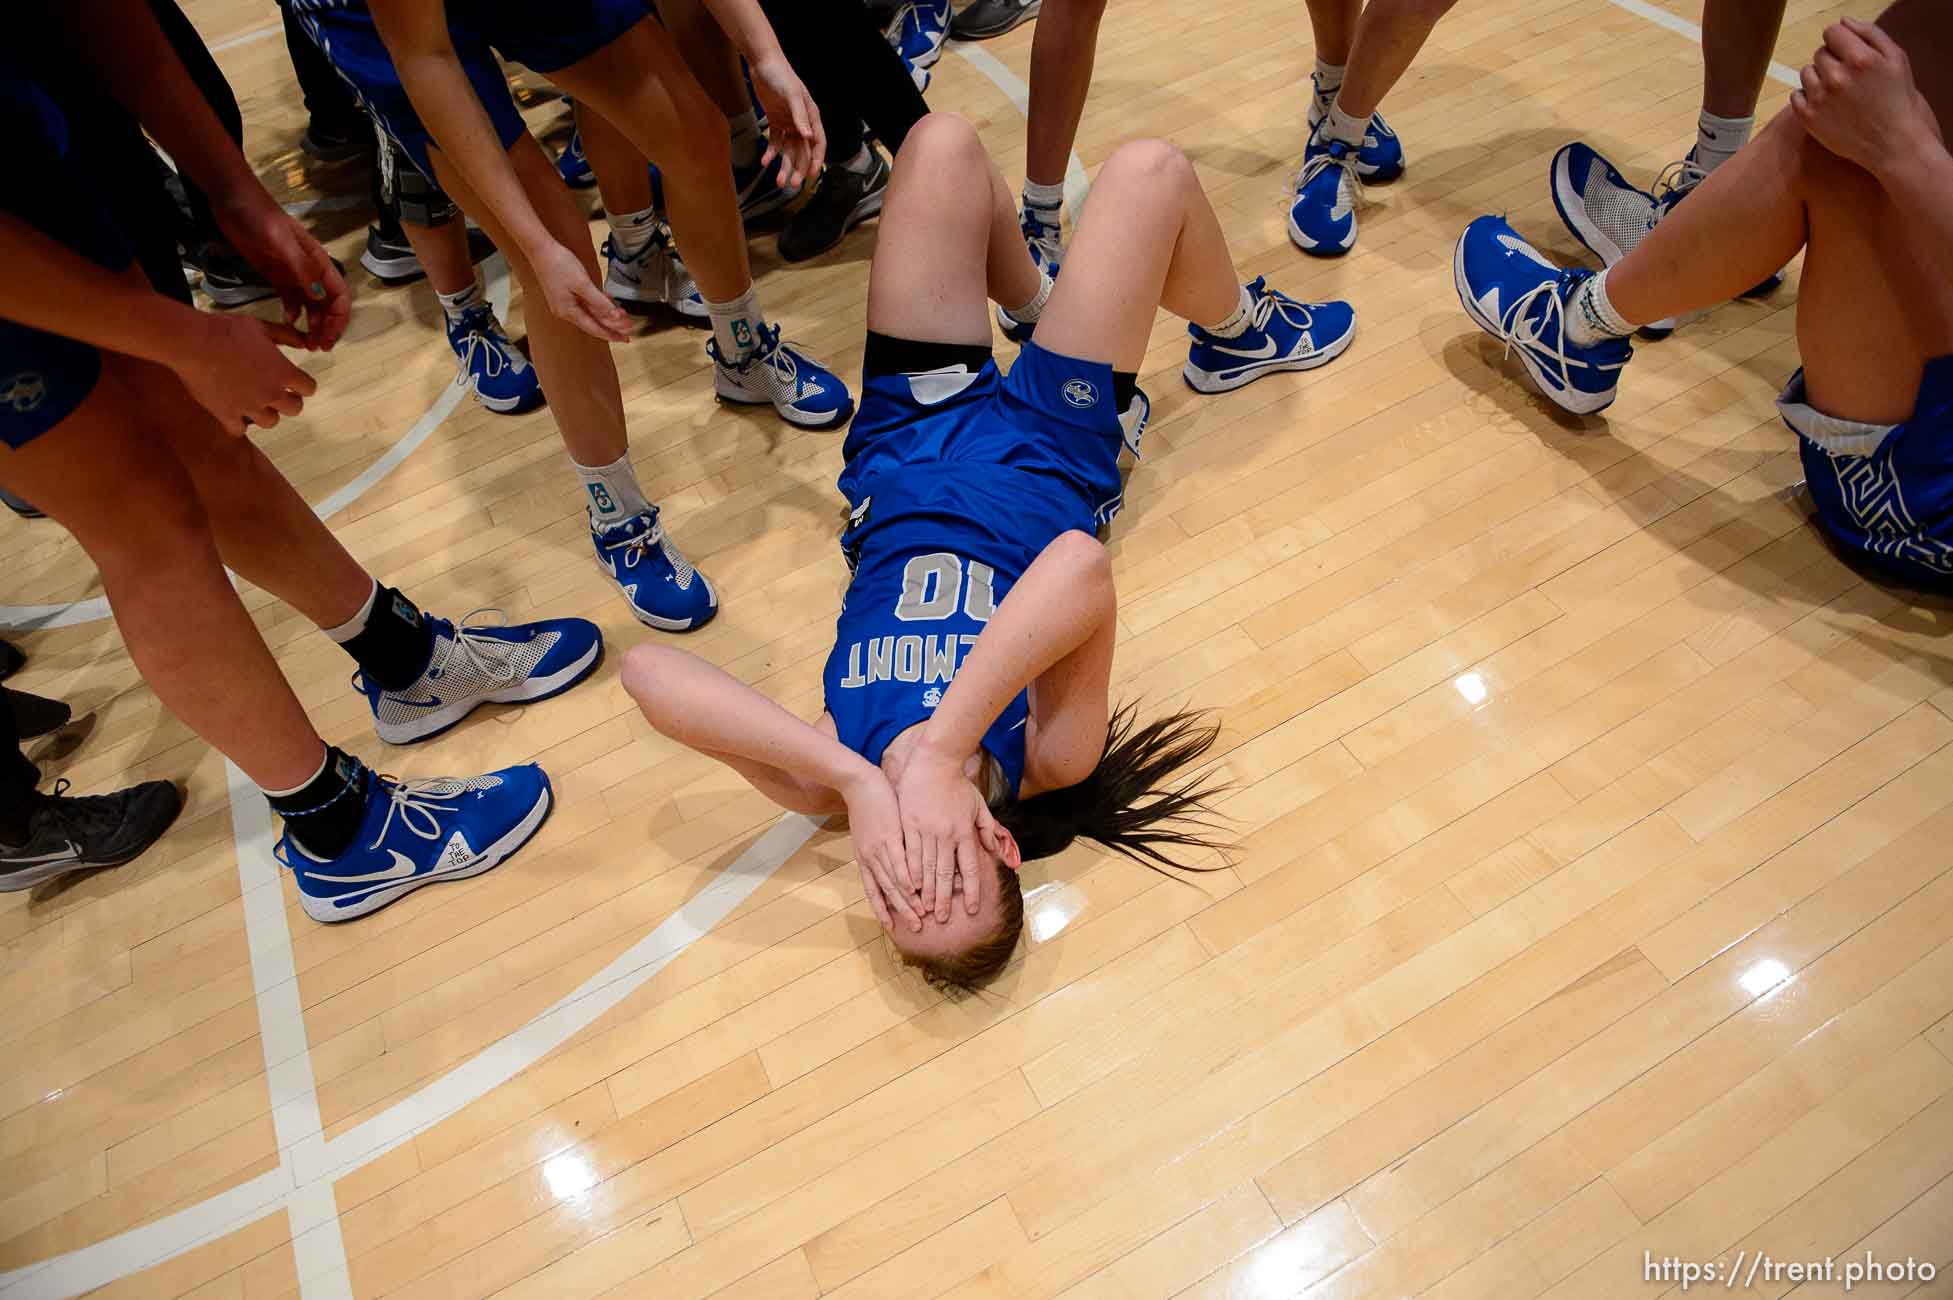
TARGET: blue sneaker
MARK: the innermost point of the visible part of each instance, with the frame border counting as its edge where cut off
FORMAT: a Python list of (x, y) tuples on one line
[(760, 191), (573, 167), (918, 32), (417, 833), (1044, 239), (1322, 217), (501, 377), (1380, 158), (1521, 299), (483, 663), (665, 591), (1282, 334), (779, 374)]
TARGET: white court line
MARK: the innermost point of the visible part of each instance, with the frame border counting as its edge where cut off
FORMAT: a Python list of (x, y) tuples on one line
[(34, 618), (256, 34), (1683, 27)]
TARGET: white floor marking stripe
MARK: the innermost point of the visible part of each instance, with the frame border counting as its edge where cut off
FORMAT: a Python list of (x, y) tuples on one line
[(30, 618), (256, 34), (1683, 27)]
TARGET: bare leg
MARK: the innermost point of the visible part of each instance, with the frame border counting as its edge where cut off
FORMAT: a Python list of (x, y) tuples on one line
[(951, 243), (146, 530), (640, 83), (708, 53), (1149, 240), (443, 254), (576, 370), (1334, 24), (1388, 37), (1867, 320), (1062, 54), (622, 181), (1738, 37)]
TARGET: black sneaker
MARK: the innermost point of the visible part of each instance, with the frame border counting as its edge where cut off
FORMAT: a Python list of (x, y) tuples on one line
[(11, 659), (333, 145), (21, 506), (391, 258), (988, 18), (72, 834), (228, 280), (36, 715), (842, 201)]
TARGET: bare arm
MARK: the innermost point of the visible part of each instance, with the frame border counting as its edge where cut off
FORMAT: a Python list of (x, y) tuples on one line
[(133, 58), (1055, 628), (416, 35), (230, 364), (795, 763), (793, 122)]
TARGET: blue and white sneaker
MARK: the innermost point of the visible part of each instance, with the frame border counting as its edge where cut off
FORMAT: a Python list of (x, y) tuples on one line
[(483, 663), (780, 375), (760, 191), (1380, 158), (1019, 331), (501, 377), (654, 276), (573, 167), (418, 833), (1282, 334), (1611, 217), (1043, 238), (918, 32), (1322, 216), (1521, 299), (665, 591)]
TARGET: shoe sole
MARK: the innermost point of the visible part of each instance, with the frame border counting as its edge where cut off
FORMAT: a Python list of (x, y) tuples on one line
[(530, 691), (393, 270), (869, 208), (1202, 381), (640, 304), (1314, 249), (507, 405), (833, 421), (236, 297), (1023, 15), (42, 872), (1601, 402), (322, 909), (932, 58)]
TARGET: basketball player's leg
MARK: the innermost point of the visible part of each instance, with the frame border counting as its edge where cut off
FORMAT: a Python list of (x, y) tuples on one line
[(1063, 52), (949, 243)]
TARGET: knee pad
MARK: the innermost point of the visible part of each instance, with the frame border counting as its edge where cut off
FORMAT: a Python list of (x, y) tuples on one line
[(413, 195)]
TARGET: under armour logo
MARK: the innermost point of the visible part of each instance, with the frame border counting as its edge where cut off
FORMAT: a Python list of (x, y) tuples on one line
[(23, 392)]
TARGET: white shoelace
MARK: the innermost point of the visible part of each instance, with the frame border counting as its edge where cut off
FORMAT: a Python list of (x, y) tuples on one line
[(496, 356), (1673, 185), (489, 656), (1513, 314), (408, 800), (634, 549), (1313, 167), (1273, 304)]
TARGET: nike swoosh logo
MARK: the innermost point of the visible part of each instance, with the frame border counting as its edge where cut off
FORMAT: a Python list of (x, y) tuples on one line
[(70, 853), (402, 868), (1262, 353), (622, 274), (420, 704)]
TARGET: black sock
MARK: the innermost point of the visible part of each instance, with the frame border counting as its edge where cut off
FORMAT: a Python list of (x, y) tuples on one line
[(394, 647), (324, 814), (1125, 386)]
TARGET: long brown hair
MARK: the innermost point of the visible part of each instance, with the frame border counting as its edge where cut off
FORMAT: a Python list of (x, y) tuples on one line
[(1129, 804)]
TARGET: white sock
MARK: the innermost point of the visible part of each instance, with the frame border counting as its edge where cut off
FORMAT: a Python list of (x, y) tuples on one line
[(631, 231), (747, 143), (324, 758), (1718, 138), (1338, 125), (1591, 318), (353, 626), (1044, 201), (1033, 309), (615, 494), (1236, 324), (736, 326), (453, 304), (1326, 82)]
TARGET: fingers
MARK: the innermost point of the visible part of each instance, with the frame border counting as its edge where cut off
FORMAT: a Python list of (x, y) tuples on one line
[(297, 380), (265, 417), (955, 853), (1876, 37), (899, 896), (926, 868), (1830, 70), (973, 869), (288, 404), (872, 890), (1802, 106), (285, 335), (1813, 89), (912, 859), (597, 315)]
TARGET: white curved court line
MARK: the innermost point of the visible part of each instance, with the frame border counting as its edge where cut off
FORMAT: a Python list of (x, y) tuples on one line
[(308, 1164), (32, 618)]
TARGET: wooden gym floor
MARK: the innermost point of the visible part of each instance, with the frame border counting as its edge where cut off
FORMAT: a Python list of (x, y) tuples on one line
[(1593, 899)]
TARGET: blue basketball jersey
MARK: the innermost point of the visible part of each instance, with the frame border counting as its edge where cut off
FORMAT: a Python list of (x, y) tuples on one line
[(958, 479)]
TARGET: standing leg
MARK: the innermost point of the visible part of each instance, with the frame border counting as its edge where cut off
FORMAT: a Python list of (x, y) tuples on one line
[(1332, 24), (1738, 37), (1062, 56)]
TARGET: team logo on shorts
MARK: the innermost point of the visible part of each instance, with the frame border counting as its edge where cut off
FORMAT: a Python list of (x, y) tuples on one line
[(1080, 393), (23, 392)]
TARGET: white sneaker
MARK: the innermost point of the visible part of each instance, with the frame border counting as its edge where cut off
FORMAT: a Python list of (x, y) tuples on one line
[(655, 276)]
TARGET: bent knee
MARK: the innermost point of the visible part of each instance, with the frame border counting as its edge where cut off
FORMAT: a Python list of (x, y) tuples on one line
[(1150, 157), (947, 137)]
